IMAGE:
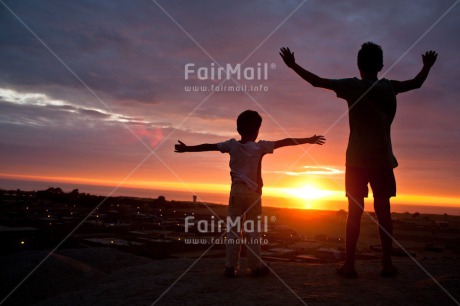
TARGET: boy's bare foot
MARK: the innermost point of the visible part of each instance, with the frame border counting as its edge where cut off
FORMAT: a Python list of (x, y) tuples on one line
[(347, 272)]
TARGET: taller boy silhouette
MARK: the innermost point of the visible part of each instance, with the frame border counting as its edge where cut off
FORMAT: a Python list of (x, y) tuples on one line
[(369, 157)]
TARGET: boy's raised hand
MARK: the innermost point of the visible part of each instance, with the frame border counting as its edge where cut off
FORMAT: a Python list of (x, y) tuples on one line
[(288, 57), (320, 140), (429, 58), (180, 148)]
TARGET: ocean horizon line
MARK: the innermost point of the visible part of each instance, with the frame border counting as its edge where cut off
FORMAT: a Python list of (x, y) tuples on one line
[(215, 198)]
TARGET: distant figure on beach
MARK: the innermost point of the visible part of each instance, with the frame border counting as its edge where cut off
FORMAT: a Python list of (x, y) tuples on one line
[(245, 196), (369, 157)]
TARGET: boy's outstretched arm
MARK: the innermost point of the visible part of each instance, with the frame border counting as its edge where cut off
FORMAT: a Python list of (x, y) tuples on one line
[(429, 58), (320, 140), (182, 147), (313, 79)]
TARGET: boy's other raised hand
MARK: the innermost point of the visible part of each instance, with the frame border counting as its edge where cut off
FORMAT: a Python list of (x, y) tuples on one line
[(319, 140), (180, 148), (429, 58), (288, 57)]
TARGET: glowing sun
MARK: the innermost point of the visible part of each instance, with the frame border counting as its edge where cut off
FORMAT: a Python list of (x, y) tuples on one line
[(309, 192)]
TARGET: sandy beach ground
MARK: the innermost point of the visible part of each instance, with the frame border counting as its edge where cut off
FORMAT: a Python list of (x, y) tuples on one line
[(106, 276)]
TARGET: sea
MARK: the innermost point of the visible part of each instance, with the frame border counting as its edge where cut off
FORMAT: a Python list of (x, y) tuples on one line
[(216, 198)]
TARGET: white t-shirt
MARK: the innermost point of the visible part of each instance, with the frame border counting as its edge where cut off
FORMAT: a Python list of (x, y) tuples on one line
[(245, 161)]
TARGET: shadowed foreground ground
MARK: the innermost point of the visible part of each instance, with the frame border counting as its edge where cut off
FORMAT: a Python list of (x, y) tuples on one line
[(105, 276)]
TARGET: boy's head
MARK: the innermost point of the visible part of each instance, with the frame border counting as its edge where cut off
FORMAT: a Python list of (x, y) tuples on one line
[(370, 58), (248, 123)]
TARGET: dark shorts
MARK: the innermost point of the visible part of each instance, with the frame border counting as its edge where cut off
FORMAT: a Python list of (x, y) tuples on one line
[(383, 182)]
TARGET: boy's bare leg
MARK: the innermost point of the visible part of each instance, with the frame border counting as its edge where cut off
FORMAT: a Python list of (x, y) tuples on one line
[(254, 213), (382, 210), (232, 249), (355, 211)]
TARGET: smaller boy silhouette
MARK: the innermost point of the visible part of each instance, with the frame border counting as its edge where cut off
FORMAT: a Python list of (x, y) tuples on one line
[(246, 189)]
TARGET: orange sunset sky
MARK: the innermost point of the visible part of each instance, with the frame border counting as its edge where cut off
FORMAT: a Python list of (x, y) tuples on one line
[(96, 94)]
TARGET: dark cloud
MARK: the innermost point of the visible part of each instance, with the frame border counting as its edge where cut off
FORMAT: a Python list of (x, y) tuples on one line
[(93, 113), (132, 55)]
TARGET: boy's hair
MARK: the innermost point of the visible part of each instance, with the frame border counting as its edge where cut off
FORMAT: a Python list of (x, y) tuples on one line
[(370, 57), (248, 123)]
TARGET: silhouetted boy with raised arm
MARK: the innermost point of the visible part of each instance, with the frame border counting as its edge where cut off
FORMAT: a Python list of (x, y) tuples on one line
[(369, 157), (246, 189)]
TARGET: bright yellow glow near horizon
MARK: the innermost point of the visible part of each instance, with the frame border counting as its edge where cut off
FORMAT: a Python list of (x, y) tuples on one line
[(309, 192), (307, 195)]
